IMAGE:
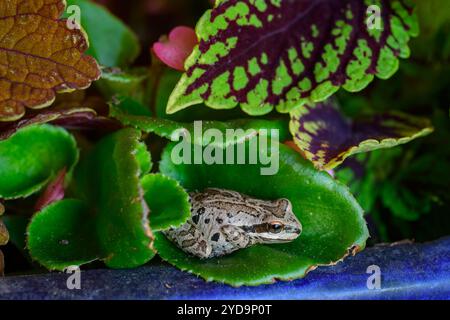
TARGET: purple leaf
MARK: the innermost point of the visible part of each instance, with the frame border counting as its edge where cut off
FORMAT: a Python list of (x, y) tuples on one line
[(265, 54), (70, 118), (326, 137)]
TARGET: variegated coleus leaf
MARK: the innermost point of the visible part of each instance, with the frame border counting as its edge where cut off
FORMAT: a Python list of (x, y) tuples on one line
[(326, 137), (262, 54)]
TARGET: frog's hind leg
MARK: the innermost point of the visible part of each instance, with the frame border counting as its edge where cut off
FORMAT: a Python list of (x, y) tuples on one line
[(189, 239)]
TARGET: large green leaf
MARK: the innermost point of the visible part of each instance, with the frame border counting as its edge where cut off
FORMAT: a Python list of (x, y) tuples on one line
[(110, 181), (110, 218), (32, 156), (332, 220), (265, 54), (112, 43)]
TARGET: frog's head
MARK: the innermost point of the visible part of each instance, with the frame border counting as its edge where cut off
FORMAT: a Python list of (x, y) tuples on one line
[(278, 225)]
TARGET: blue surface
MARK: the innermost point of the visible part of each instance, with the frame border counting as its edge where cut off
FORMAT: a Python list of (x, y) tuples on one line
[(409, 271)]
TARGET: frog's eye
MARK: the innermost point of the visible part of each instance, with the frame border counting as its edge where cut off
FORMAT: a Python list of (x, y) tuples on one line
[(276, 227)]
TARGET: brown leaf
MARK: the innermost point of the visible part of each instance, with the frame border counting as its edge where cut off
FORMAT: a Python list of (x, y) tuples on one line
[(4, 237), (39, 56)]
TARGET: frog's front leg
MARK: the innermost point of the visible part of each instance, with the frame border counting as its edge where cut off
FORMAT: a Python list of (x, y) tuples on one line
[(236, 237)]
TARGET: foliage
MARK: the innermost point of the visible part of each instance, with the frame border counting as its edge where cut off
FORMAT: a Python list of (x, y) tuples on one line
[(318, 201), (91, 177), (263, 54), (41, 55)]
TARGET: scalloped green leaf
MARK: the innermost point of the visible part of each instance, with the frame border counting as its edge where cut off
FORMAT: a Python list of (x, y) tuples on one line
[(62, 235), (168, 201), (268, 54), (110, 205), (333, 223), (129, 115), (327, 137), (110, 181), (32, 156)]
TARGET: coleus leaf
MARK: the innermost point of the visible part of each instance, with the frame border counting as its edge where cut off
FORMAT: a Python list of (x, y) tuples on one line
[(162, 83), (109, 218), (60, 116), (332, 220), (327, 137), (265, 54), (4, 238), (172, 130), (40, 55), (32, 156)]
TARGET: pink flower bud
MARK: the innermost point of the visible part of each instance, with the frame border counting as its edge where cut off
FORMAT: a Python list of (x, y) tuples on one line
[(176, 49)]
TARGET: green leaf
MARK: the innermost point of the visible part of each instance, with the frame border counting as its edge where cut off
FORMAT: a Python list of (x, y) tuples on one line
[(172, 130), (110, 181), (123, 83), (282, 54), (327, 137), (63, 234), (32, 156), (162, 84), (109, 219), (168, 202), (403, 203), (128, 106), (112, 43), (332, 219), (434, 42)]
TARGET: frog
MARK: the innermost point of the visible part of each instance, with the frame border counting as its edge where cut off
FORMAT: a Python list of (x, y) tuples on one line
[(223, 221)]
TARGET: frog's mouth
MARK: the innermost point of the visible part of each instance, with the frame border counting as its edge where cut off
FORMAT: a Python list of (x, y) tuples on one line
[(288, 234)]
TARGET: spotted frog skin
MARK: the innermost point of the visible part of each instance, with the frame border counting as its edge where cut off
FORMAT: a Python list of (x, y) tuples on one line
[(224, 221)]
